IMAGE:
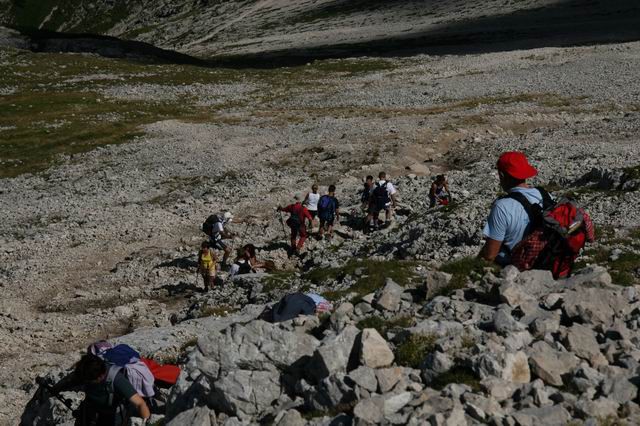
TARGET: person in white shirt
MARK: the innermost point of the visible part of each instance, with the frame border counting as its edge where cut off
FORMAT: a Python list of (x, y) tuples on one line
[(311, 203)]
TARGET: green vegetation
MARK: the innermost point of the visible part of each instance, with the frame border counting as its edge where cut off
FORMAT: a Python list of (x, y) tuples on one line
[(383, 326), (460, 375), (624, 269), (371, 276), (278, 280), (632, 172), (217, 311), (463, 270), (412, 351)]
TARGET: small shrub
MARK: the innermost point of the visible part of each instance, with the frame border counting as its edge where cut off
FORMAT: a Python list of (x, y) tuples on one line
[(412, 351), (463, 270), (459, 375)]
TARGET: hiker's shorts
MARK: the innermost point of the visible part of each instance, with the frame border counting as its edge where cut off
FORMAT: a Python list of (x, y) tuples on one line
[(327, 221), (218, 244), (314, 213)]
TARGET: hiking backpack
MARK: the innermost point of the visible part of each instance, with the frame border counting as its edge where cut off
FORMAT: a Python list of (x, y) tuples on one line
[(326, 208), (381, 195), (559, 230), (207, 225)]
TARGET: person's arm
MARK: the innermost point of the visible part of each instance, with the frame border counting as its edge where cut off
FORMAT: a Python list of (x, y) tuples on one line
[(141, 406), (432, 191), (337, 209), (490, 250), (494, 232)]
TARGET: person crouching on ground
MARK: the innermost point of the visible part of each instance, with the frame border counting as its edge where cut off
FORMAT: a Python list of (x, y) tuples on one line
[(508, 221), (108, 394), (207, 265), (439, 193), (299, 215)]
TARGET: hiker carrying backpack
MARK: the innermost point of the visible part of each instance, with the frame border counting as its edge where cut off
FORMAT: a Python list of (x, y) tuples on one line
[(298, 216), (380, 195), (559, 230)]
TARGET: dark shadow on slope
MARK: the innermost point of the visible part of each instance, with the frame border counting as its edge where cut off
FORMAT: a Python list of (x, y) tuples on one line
[(110, 47), (568, 23)]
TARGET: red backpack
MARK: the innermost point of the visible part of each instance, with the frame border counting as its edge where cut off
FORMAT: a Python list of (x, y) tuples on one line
[(559, 231)]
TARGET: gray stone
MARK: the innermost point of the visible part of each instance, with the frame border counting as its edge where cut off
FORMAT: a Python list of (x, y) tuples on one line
[(620, 389), (388, 378), (374, 351), (505, 324), (435, 282), (581, 340), (498, 389), (364, 377), (594, 305), (596, 276), (513, 294), (389, 297), (394, 403), (601, 407), (549, 323), (438, 362), (511, 367), (197, 416), (549, 364), (289, 418), (369, 411), (555, 415), (244, 393), (333, 355)]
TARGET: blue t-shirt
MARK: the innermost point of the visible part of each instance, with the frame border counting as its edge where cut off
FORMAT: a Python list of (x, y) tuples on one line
[(508, 221)]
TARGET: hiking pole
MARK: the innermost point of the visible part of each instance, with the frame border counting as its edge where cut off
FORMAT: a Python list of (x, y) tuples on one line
[(42, 383)]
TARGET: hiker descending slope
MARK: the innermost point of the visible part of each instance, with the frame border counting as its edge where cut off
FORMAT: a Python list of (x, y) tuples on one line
[(439, 193), (383, 198), (214, 227), (299, 215), (365, 194), (528, 228), (328, 211), (108, 393), (311, 203), (207, 265)]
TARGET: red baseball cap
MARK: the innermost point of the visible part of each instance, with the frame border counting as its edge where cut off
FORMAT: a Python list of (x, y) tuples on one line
[(516, 165)]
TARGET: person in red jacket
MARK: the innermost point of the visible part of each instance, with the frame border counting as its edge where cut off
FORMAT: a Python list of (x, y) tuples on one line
[(297, 222)]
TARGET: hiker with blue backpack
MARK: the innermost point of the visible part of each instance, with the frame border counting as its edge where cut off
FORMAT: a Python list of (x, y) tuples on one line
[(527, 228), (110, 398), (383, 198), (328, 212)]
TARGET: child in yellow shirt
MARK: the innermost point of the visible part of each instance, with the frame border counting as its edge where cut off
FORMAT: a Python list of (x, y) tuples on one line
[(207, 264)]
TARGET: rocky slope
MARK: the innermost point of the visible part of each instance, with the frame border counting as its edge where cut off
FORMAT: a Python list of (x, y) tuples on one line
[(102, 243), (243, 28)]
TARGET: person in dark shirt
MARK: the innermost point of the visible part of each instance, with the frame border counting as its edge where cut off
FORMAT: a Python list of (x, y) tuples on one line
[(106, 390), (328, 211)]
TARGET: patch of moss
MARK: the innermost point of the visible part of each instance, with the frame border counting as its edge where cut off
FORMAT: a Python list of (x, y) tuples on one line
[(278, 280), (383, 326), (459, 375), (412, 351), (217, 311), (463, 270), (632, 172), (372, 276)]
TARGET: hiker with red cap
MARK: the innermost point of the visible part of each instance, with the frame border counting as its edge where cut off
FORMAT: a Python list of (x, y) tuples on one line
[(509, 220), (297, 222)]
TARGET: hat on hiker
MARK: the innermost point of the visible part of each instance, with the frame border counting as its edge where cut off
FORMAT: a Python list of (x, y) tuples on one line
[(516, 165), (99, 347), (228, 216)]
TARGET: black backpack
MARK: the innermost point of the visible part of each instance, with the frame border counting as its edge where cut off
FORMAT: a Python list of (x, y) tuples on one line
[(207, 225), (381, 195)]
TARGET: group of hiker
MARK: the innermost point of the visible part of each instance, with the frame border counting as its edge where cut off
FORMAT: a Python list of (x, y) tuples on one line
[(526, 228)]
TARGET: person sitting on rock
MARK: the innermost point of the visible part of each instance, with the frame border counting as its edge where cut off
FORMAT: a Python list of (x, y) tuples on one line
[(439, 193), (207, 261), (328, 211), (246, 262), (299, 216), (508, 221), (108, 393)]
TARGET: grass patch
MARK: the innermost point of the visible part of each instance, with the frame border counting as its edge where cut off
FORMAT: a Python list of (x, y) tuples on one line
[(632, 172), (413, 351), (217, 311), (278, 280), (382, 326), (459, 375), (371, 276), (463, 270), (624, 270)]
